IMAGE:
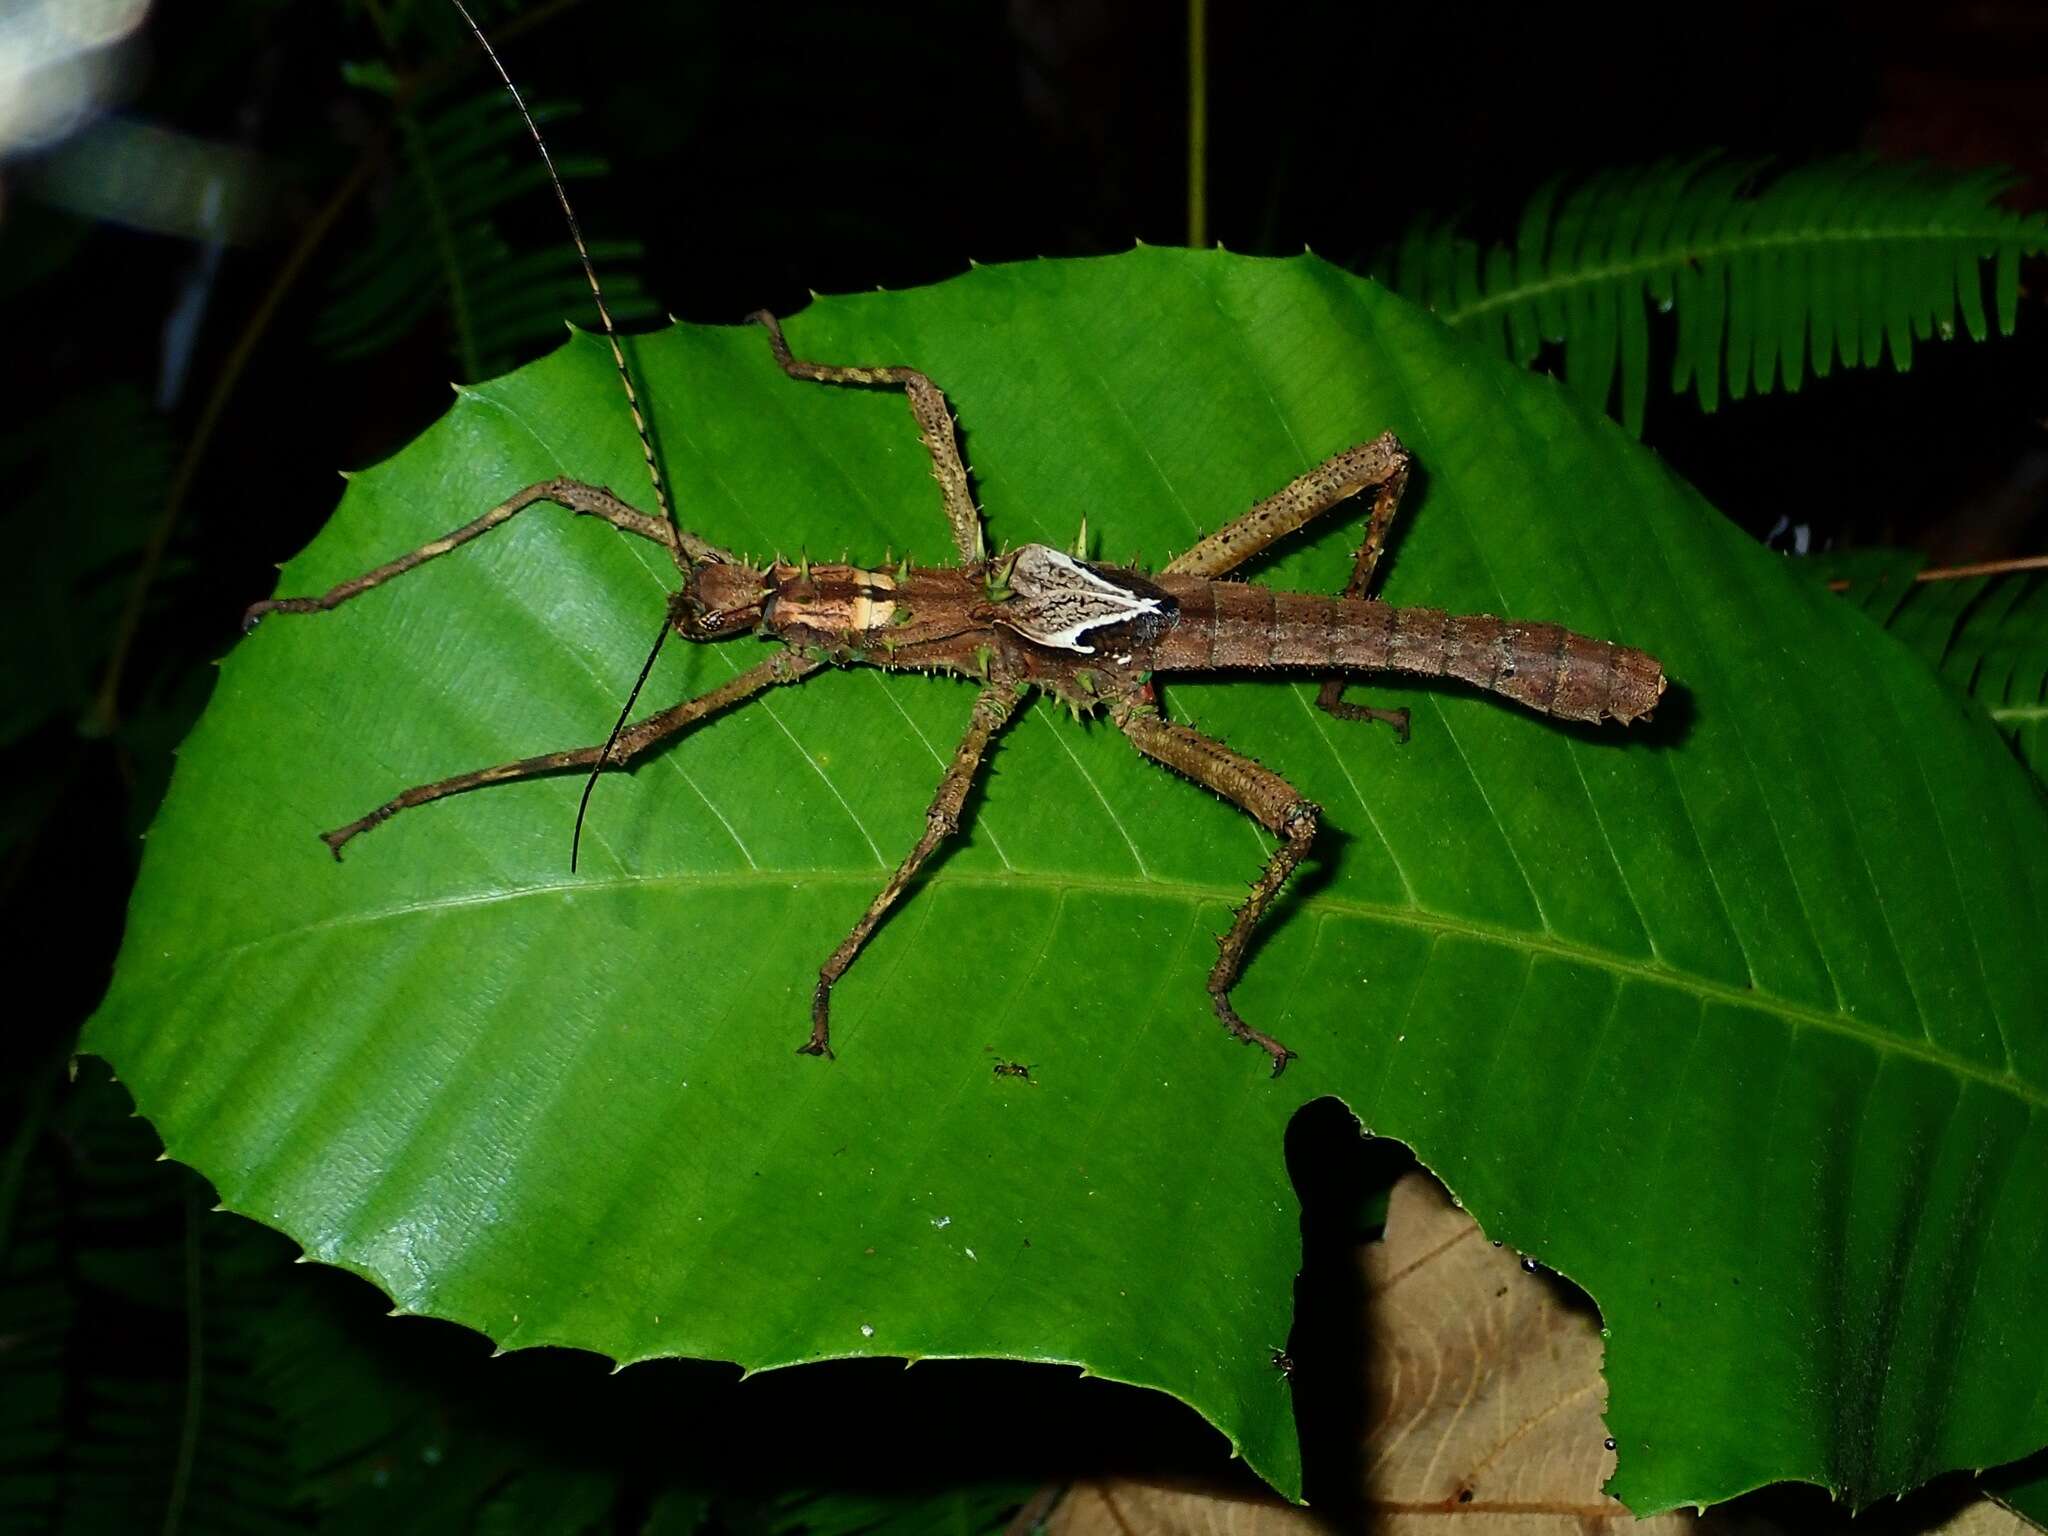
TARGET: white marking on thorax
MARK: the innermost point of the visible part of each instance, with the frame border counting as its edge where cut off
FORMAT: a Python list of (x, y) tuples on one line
[(871, 613), (1055, 600)]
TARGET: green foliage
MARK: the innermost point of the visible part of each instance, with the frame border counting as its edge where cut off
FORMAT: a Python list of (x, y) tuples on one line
[(38, 1308), (79, 523), (1986, 634), (437, 245), (105, 1246), (1770, 274), (1737, 1021)]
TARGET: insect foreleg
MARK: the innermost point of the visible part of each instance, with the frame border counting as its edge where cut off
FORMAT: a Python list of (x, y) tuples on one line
[(1268, 799), (934, 426), (588, 500), (784, 667), (992, 711)]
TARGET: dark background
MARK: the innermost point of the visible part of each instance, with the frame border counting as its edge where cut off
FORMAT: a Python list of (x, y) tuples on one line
[(758, 151)]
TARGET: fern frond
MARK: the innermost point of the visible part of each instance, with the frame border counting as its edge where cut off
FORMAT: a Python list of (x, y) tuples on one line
[(438, 247), (1769, 274), (81, 517), (38, 1312), (551, 1497), (1986, 634), (137, 1408)]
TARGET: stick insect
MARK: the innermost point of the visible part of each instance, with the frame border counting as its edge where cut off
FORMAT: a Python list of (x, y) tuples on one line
[(1036, 620)]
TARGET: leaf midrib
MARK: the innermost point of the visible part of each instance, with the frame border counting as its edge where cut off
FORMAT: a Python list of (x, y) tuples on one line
[(1436, 924)]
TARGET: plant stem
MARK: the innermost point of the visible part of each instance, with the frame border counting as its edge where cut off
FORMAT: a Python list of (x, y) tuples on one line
[(106, 707), (1984, 568), (1198, 124)]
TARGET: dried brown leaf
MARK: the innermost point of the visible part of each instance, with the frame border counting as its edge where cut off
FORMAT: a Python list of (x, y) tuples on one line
[(1485, 1404)]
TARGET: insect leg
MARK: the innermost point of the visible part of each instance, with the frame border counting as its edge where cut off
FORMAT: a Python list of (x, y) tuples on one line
[(587, 500), (785, 667), (1330, 696), (1380, 465), (1385, 503), (1266, 798), (991, 712), (934, 426)]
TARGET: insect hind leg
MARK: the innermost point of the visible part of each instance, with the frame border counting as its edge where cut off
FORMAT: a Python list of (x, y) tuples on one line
[(1380, 466), (1386, 502), (1269, 800)]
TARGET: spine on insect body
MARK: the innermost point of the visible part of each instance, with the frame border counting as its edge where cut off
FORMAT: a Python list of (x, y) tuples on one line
[(1229, 626)]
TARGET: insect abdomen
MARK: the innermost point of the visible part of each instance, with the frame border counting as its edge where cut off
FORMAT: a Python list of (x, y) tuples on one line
[(1544, 667)]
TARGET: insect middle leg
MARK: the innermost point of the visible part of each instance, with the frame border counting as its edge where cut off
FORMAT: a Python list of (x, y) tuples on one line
[(992, 710), (1259, 793), (586, 500), (784, 667), (934, 425), (1380, 466)]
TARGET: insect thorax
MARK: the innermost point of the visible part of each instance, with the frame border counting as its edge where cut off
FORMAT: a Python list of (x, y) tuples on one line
[(1057, 601), (832, 599)]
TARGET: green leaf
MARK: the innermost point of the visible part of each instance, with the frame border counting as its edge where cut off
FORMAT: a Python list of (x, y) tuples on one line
[(1862, 256), (1737, 1021)]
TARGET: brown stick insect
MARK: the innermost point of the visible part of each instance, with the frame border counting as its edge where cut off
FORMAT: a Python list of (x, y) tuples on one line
[(1036, 620)]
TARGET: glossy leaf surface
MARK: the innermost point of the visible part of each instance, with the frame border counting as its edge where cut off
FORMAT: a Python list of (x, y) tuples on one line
[(1738, 1020)]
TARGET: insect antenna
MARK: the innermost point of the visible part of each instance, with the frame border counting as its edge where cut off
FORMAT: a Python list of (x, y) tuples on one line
[(582, 254), (611, 331), (611, 336), (589, 784)]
